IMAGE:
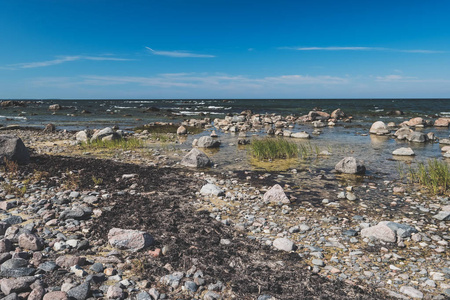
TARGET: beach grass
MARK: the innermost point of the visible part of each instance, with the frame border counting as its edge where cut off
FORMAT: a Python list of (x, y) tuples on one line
[(123, 144), (273, 148), (308, 150), (434, 175)]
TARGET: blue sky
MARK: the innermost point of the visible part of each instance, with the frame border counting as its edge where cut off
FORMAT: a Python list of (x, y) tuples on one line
[(87, 49)]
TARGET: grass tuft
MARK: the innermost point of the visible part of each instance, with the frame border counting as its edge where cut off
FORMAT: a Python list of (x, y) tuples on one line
[(124, 144), (433, 175), (273, 148)]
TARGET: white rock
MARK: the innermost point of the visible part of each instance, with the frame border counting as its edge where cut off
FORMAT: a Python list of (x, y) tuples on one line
[(379, 128), (210, 189), (283, 244), (411, 292), (403, 152), (276, 194)]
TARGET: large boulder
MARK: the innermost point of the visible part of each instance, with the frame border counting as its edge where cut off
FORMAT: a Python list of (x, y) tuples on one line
[(276, 194), (388, 231), (442, 122), (301, 135), (417, 137), (182, 130), (13, 149), (207, 142), (284, 244), (379, 127), (416, 122), (82, 136), (349, 165), (196, 159), (211, 189), (337, 114), (403, 151), (129, 239), (318, 116), (403, 133), (105, 134), (54, 107)]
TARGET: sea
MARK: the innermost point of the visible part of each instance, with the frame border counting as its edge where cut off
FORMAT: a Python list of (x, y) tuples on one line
[(344, 139), (129, 113)]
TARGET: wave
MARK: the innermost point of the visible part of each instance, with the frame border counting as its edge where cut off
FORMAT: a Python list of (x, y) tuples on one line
[(13, 118), (124, 107)]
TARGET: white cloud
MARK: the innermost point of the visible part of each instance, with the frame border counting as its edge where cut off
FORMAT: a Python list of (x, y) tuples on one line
[(178, 53), (200, 81), (394, 78), (60, 60), (361, 49)]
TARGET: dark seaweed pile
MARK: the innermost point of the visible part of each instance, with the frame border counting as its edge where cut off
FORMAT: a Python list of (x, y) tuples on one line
[(162, 207)]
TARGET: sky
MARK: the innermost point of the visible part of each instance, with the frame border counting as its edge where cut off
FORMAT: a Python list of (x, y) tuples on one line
[(222, 49)]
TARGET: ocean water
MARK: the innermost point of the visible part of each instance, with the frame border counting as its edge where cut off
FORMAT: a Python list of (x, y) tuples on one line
[(345, 139), (129, 113)]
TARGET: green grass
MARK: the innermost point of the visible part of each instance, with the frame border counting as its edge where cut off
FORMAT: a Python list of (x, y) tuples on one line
[(308, 150), (123, 144), (164, 129), (273, 148), (433, 175)]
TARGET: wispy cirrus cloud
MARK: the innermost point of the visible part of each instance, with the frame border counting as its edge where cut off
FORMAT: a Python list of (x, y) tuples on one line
[(361, 49), (178, 53), (60, 60)]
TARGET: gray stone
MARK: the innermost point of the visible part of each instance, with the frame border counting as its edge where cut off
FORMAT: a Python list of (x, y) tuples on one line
[(196, 159), (144, 296), (191, 286), (381, 232), (210, 295), (207, 142), (276, 194), (78, 213), (283, 244), (80, 292), (172, 280), (301, 135), (350, 165), (12, 220), (182, 130), (13, 149), (318, 262), (82, 136), (402, 133), (129, 239), (442, 216), (411, 292), (14, 263), (402, 230), (100, 134), (114, 292), (210, 189), (97, 267), (403, 152), (417, 137), (48, 266)]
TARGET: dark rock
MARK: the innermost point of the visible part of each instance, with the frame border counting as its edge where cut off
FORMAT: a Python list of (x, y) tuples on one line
[(13, 149), (80, 292)]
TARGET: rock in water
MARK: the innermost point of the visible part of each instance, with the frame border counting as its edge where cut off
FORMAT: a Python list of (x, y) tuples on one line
[(207, 142), (379, 128), (13, 149), (54, 107), (196, 159), (417, 137), (276, 194), (403, 152), (301, 135), (350, 165), (129, 239)]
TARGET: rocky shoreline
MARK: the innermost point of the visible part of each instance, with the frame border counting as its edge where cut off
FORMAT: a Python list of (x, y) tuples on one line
[(215, 234)]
